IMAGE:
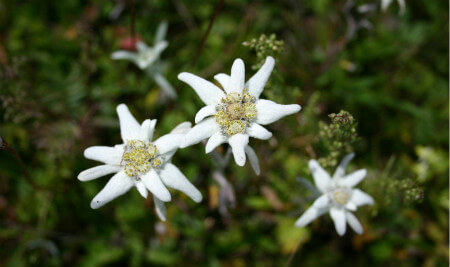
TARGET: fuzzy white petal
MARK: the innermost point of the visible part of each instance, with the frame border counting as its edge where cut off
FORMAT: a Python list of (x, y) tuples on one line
[(159, 47), (238, 142), (338, 217), (124, 55), (237, 77), (168, 142), (257, 131), (164, 84), (353, 222), (214, 141), (205, 112), (354, 178), (147, 129), (321, 202), (174, 178), (118, 185), (321, 177), (223, 79), (141, 188), (207, 91), (154, 184), (340, 171), (269, 111), (160, 208), (351, 206), (182, 128), (253, 158), (129, 127), (98, 171), (360, 198), (161, 32), (202, 130), (105, 154), (256, 83), (309, 215)]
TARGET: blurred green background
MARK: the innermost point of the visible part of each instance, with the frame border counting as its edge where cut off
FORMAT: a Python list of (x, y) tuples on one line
[(59, 89)]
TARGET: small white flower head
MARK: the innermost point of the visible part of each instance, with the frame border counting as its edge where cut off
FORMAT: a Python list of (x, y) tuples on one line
[(339, 198), (386, 3), (140, 162), (236, 113), (146, 55)]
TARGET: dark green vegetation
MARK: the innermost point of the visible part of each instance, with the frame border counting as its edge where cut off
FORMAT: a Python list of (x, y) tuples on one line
[(59, 90)]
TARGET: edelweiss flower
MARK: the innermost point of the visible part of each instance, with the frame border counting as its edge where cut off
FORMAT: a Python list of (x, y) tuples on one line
[(339, 198), (385, 4), (236, 114), (148, 58), (140, 162)]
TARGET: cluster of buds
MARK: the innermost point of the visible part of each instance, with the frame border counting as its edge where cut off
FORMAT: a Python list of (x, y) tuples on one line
[(235, 112), (139, 157)]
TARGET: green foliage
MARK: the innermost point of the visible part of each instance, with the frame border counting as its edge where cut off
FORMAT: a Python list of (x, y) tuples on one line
[(58, 93)]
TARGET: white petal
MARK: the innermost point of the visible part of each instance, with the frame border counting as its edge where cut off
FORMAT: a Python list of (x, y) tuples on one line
[(259, 132), (164, 84), (269, 111), (254, 162), (238, 142), (129, 127), (160, 208), (354, 223), (118, 185), (154, 184), (105, 154), (160, 46), (205, 112), (96, 172), (223, 79), (174, 178), (353, 178), (147, 129), (237, 77), (141, 46), (340, 171), (256, 84), (309, 215), (214, 141), (168, 142), (202, 130), (124, 55), (182, 128), (338, 217), (161, 32), (321, 177), (321, 202), (207, 91), (351, 206), (360, 198), (141, 188)]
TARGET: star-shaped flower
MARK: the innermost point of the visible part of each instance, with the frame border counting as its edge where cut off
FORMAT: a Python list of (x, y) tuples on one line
[(147, 58), (339, 198), (234, 115), (139, 162)]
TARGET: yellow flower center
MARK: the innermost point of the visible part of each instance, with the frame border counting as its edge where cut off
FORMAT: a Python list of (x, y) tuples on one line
[(139, 157), (235, 112), (340, 196)]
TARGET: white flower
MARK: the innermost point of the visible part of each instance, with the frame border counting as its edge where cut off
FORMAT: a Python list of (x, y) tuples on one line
[(338, 196), (147, 58), (140, 162), (386, 3), (236, 114)]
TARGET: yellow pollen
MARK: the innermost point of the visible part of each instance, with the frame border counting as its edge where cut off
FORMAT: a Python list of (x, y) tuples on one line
[(235, 112), (340, 197), (139, 157)]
